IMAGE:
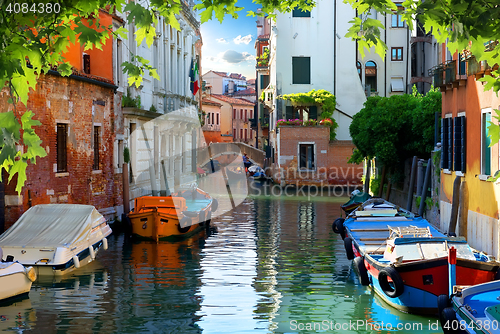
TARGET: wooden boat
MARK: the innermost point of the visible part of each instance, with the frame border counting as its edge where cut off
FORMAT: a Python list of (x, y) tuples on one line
[(357, 198), (56, 238), (15, 279), (169, 217), (234, 174), (403, 258), (472, 309)]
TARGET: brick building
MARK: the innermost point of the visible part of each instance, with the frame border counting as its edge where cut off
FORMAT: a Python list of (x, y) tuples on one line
[(306, 156), (78, 131)]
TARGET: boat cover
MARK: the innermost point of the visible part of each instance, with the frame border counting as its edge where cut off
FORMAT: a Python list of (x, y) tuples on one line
[(52, 225)]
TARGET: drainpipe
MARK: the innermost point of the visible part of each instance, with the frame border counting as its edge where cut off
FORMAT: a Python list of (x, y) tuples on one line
[(385, 58), (335, 47), (407, 55)]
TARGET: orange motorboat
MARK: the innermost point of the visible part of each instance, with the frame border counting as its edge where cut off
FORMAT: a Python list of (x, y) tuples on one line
[(170, 217)]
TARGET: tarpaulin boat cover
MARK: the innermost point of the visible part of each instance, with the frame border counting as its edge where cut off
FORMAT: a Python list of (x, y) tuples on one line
[(52, 225)]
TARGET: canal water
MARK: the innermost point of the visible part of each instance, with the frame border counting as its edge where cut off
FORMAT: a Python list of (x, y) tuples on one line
[(270, 265)]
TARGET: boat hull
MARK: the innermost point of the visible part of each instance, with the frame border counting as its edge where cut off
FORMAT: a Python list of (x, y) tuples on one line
[(14, 281), (425, 280), (171, 217)]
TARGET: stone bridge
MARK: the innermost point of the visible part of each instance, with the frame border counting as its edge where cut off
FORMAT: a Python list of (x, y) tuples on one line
[(215, 150)]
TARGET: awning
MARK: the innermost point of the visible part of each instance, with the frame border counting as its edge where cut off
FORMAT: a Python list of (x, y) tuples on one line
[(397, 85)]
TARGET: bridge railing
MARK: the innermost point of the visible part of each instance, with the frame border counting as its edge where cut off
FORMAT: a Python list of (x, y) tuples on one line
[(217, 149)]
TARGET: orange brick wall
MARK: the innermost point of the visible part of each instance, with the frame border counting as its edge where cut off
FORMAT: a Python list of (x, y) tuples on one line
[(59, 99)]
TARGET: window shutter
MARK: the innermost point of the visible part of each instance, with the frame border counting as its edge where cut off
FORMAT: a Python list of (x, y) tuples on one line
[(450, 144), (301, 70), (457, 144), (462, 151), (289, 112), (313, 112), (444, 145)]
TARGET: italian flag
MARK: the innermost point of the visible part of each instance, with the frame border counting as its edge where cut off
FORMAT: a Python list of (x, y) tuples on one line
[(194, 77)]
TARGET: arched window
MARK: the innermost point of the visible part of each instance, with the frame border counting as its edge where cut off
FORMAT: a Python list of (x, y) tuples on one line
[(358, 67), (371, 75)]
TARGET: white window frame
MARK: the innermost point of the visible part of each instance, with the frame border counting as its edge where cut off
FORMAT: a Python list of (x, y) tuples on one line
[(483, 177), (315, 156)]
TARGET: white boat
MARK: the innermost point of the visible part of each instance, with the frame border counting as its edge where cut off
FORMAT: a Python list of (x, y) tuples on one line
[(15, 279), (56, 238)]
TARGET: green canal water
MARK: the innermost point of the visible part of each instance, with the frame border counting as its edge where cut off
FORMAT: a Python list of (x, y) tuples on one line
[(271, 265)]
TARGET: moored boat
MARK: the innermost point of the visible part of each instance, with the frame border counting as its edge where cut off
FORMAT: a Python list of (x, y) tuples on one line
[(15, 279), (56, 238), (472, 309), (169, 217), (403, 258)]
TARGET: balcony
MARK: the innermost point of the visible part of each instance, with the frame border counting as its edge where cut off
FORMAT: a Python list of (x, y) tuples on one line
[(211, 127), (448, 74)]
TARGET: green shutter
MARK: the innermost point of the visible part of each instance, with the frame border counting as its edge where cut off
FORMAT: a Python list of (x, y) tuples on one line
[(313, 112), (301, 70), (486, 145)]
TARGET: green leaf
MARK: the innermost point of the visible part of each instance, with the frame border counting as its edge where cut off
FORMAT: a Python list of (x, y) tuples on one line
[(19, 168)]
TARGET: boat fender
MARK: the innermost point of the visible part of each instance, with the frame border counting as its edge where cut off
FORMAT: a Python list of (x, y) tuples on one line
[(182, 222), (202, 216), (105, 244), (348, 248), (497, 275), (337, 224), (30, 273), (398, 285), (450, 322), (215, 204), (76, 261), (92, 252), (359, 266), (442, 302)]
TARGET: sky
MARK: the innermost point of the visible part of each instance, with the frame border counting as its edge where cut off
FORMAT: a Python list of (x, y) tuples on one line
[(230, 46)]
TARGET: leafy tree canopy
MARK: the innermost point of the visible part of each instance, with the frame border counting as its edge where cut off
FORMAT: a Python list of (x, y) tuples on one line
[(395, 128)]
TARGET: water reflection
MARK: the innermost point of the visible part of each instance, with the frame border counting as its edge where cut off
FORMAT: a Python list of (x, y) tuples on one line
[(273, 266)]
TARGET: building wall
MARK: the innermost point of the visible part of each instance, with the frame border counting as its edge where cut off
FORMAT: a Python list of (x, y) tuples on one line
[(331, 167), (215, 81), (469, 98), (77, 104), (332, 66)]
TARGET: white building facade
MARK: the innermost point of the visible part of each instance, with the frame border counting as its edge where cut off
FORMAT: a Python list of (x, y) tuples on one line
[(161, 123)]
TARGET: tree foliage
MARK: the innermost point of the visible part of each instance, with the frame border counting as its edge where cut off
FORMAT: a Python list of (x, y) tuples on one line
[(323, 99), (395, 128)]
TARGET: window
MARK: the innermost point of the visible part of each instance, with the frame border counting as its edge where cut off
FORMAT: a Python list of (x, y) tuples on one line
[(62, 158), (264, 81), (246, 134), (358, 67), (301, 70), (459, 144), (397, 19), (95, 165), (371, 76), (447, 143), (218, 120), (297, 12), (234, 134), (246, 115), (212, 119), (234, 113), (397, 54), (306, 156), (86, 63), (241, 113), (241, 134), (485, 142)]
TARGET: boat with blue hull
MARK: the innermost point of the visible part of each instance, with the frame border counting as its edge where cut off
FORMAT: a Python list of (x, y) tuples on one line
[(404, 259)]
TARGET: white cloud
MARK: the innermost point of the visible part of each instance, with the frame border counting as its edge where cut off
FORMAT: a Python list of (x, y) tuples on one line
[(245, 39), (234, 57), (222, 40)]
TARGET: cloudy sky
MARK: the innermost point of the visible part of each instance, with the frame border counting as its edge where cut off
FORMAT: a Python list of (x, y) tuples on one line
[(229, 47)]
